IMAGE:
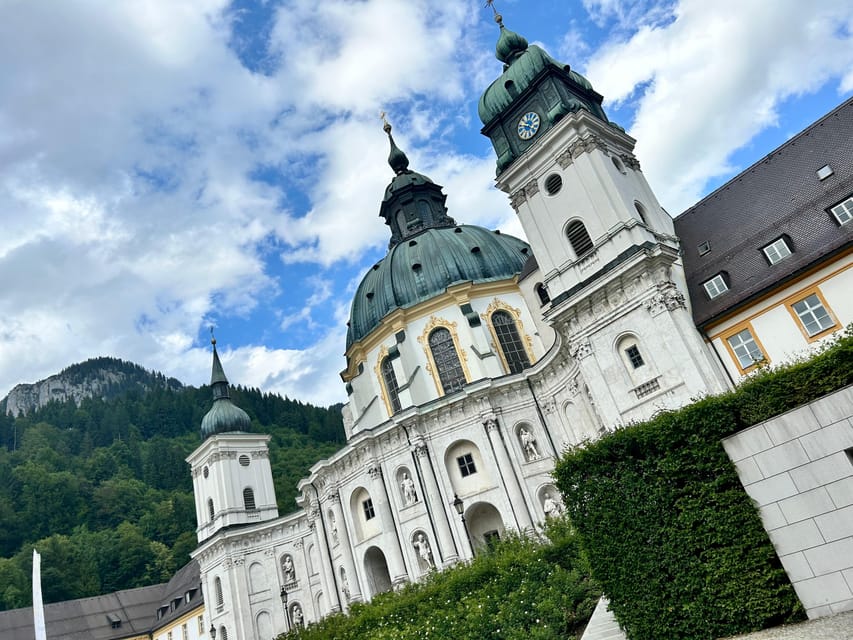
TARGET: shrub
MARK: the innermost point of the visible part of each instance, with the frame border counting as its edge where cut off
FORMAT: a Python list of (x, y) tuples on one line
[(671, 535)]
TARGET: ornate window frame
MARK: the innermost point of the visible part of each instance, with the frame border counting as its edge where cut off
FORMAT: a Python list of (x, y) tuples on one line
[(383, 389), (526, 340), (432, 324)]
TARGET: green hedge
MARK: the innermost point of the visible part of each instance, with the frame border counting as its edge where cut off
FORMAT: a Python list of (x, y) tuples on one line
[(521, 589), (672, 537)]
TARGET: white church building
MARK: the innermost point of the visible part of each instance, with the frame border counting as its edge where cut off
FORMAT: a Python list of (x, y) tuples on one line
[(470, 365)]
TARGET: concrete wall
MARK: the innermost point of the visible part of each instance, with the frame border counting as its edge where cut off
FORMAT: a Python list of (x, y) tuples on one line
[(798, 469)]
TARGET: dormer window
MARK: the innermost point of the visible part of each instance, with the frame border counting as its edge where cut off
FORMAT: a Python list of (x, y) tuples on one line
[(777, 250), (716, 286), (843, 211)]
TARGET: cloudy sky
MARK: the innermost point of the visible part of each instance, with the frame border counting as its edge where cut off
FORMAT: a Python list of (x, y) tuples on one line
[(168, 165)]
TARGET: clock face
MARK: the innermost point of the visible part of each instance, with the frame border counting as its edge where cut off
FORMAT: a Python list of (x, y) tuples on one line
[(528, 125)]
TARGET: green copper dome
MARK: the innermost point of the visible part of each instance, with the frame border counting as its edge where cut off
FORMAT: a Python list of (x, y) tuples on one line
[(521, 71), (224, 416), (423, 265)]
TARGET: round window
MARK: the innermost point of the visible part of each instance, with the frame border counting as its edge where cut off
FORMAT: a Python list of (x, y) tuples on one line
[(205, 472), (618, 164), (243, 460), (553, 184)]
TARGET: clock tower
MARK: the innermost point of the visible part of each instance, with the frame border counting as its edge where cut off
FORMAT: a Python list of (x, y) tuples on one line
[(608, 275)]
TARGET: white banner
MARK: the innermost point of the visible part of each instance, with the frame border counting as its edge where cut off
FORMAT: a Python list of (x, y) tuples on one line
[(38, 605)]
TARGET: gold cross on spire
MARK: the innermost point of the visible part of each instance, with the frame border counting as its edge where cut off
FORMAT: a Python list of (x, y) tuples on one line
[(385, 125), (498, 18)]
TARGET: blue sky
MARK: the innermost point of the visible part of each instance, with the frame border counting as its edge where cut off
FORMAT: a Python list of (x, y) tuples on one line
[(170, 165)]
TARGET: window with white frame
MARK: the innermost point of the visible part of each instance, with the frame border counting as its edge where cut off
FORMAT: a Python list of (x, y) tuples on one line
[(716, 286), (777, 250), (813, 315), (746, 349), (843, 211)]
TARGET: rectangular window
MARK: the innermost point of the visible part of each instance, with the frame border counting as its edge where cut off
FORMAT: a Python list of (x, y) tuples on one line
[(843, 211), (466, 465), (745, 349), (201, 625), (169, 636), (634, 356), (777, 250), (184, 633), (369, 512), (716, 286), (813, 315)]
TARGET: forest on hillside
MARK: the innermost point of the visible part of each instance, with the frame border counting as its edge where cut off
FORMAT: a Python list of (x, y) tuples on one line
[(103, 491)]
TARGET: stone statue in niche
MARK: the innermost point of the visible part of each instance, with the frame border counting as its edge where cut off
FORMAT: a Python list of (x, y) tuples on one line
[(345, 585), (289, 569), (298, 619), (407, 485), (551, 507), (334, 529), (421, 544), (528, 443)]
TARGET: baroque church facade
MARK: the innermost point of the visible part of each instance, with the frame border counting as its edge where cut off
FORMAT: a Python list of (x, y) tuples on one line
[(472, 360)]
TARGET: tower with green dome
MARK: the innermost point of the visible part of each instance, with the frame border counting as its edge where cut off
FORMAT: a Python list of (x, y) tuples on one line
[(607, 272)]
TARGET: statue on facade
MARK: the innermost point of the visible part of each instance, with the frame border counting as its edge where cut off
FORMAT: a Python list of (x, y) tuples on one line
[(407, 485), (298, 619), (528, 443), (551, 507), (345, 585), (424, 550), (334, 529), (289, 569)]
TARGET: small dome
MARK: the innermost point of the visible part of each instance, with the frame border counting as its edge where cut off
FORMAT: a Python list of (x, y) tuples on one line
[(224, 416), (521, 72), (509, 45), (425, 264)]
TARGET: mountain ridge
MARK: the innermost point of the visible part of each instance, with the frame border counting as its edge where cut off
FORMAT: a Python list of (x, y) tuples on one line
[(102, 377)]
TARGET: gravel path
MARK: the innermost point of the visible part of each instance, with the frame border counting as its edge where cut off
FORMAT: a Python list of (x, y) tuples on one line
[(838, 627)]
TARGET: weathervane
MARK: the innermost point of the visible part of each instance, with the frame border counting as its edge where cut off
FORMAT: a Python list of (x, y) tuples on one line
[(385, 124), (212, 337), (498, 17)]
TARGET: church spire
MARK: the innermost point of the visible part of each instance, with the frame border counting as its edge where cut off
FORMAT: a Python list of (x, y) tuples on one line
[(397, 158), (412, 201), (510, 44), (223, 416)]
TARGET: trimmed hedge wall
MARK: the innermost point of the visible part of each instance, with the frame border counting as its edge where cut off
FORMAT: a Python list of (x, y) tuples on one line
[(672, 537), (520, 590)]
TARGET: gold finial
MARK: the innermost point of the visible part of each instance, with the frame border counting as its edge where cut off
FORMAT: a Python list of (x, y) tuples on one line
[(212, 337), (498, 17), (385, 125)]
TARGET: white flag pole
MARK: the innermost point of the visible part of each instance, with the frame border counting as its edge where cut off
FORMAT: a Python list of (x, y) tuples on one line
[(38, 604)]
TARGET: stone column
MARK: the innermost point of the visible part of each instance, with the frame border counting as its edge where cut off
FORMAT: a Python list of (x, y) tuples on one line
[(327, 567), (381, 502), (343, 544), (517, 501), (435, 506)]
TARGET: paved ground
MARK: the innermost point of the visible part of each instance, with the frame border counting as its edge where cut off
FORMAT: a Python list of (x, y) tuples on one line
[(838, 627)]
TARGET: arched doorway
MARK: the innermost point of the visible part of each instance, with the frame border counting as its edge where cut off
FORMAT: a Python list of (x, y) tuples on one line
[(485, 524), (376, 570)]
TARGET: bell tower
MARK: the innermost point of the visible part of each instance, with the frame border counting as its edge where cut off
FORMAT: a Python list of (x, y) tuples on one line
[(232, 477), (609, 274)]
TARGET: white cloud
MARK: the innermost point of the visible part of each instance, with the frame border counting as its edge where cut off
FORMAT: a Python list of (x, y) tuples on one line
[(716, 77)]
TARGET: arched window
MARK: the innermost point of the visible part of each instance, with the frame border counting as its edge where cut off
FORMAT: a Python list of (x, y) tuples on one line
[(579, 238), (217, 590), (249, 499), (641, 211), (391, 387), (447, 362), (223, 633), (542, 292), (510, 342), (210, 507)]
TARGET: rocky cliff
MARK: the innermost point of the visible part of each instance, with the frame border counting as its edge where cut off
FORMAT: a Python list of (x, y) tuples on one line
[(98, 377)]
